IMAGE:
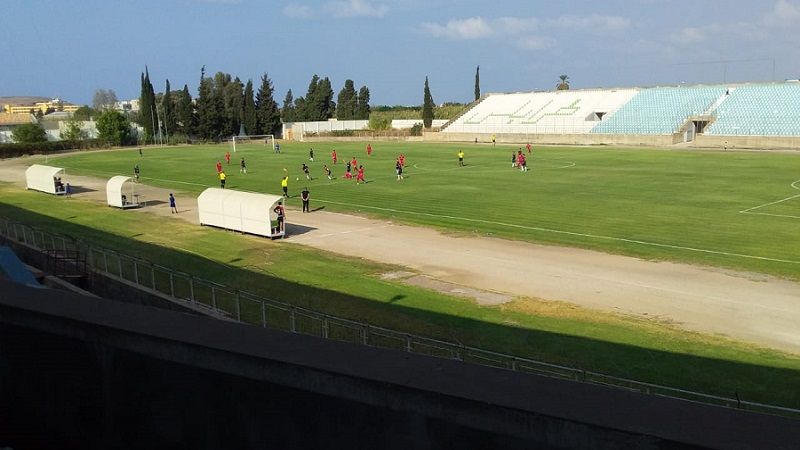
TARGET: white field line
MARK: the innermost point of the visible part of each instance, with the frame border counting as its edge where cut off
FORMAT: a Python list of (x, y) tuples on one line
[(749, 210), (570, 233)]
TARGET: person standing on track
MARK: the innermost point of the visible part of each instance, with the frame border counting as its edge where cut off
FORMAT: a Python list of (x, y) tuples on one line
[(172, 207), (136, 173), (305, 196), (280, 211)]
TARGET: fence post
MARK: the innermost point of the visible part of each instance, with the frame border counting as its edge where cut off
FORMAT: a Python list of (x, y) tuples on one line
[(105, 261), (213, 297), (264, 313), (171, 285), (119, 265), (191, 289), (408, 343), (364, 334), (292, 327), (325, 327), (135, 271), (514, 364), (238, 307), (153, 276)]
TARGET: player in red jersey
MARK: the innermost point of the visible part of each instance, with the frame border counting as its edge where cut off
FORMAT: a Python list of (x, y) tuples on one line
[(369, 149), (228, 157), (528, 146), (354, 163), (219, 166), (334, 157), (360, 175)]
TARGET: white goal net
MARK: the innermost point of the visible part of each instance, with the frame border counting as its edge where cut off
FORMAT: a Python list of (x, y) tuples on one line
[(267, 140)]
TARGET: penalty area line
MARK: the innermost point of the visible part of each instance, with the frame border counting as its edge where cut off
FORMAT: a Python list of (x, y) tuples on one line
[(569, 233)]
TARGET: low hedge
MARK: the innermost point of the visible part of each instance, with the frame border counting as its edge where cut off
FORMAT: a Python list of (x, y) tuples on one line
[(14, 150)]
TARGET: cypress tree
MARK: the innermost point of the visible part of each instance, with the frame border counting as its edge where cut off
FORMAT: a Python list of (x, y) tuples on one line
[(269, 116), (324, 106), (478, 83), (147, 106), (306, 106), (249, 116), (347, 101), (168, 111), (288, 113), (427, 106), (185, 112), (362, 104), (210, 109)]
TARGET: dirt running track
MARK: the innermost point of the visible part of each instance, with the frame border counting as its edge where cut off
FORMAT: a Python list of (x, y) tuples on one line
[(748, 307)]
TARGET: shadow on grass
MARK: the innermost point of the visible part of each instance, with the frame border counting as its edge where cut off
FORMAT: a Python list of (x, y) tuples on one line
[(751, 382)]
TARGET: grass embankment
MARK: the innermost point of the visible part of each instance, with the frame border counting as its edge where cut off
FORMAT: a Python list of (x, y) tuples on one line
[(552, 332), (682, 206)]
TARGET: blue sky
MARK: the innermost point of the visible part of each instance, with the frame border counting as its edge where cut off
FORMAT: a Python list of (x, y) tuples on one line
[(70, 48)]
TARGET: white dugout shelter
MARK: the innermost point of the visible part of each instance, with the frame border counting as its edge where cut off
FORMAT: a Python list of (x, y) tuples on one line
[(247, 212), (44, 179), (120, 193)]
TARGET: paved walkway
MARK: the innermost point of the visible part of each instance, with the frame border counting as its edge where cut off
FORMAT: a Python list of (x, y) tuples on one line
[(745, 306)]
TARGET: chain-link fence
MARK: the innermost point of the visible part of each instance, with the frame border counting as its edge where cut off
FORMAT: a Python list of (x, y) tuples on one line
[(246, 307)]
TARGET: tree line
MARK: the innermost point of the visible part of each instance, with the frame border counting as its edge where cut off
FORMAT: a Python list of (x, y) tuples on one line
[(226, 106)]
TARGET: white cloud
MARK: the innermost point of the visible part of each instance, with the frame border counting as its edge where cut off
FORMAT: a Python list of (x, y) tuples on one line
[(356, 8), (336, 8), (783, 13), (464, 29), (536, 43), (528, 33), (297, 11), (593, 22)]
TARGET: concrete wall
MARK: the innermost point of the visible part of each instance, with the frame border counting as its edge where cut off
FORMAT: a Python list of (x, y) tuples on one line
[(92, 373), (555, 139), (749, 142)]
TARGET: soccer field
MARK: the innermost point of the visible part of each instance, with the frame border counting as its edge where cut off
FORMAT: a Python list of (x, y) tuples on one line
[(731, 209)]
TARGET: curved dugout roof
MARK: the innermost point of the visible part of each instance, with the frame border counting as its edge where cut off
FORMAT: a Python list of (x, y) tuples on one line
[(40, 178), (248, 212), (114, 190)]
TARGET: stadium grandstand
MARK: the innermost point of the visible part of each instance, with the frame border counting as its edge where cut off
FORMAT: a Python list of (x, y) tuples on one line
[(658, 115)]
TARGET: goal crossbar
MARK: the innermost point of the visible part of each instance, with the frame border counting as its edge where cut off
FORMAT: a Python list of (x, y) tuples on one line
[(267, 139)]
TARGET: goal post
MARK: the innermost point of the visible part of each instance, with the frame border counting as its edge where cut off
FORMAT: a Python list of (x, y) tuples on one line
[(265, 139)]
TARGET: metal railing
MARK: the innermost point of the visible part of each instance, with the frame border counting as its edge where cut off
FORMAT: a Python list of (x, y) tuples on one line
[(246, 307)]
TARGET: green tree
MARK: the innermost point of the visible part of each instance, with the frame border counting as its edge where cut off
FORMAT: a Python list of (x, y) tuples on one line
[(210, 111), (477, 83), (72, 131), (147, 106), (427, 106), (185, 112), (113, 128), (84, 113), (231, 92), (288, 112), (168, 117), (362, 104), (249, 116), (29, 133), (564, 84), (324, 106), (347, 101), (104, 99), (269, 116), (306, 106)]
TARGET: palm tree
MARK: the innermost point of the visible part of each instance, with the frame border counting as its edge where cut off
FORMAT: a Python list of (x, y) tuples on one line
[(564, 84)]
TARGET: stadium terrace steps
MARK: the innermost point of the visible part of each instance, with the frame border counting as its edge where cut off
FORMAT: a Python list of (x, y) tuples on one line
[(661, 110), (558, 112), (759, 110)]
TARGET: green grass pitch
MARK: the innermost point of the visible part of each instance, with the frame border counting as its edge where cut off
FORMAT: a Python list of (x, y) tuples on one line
[(678, 205)]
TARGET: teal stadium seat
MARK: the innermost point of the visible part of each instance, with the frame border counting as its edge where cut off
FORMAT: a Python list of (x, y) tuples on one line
[(759, 110)]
